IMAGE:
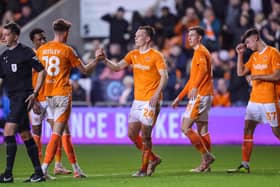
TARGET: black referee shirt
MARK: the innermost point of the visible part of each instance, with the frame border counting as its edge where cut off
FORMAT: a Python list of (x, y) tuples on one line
[(16, 69)]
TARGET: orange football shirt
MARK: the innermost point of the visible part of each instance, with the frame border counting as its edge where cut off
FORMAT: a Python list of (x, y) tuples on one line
[(201, 60), (58, 60), (146, 75), (264, 63)]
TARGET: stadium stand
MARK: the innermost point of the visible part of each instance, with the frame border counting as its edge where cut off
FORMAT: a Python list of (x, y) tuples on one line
[(224, 22)]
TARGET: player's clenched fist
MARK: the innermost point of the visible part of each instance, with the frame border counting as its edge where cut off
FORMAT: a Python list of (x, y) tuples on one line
[(100, 54), (240, 48)]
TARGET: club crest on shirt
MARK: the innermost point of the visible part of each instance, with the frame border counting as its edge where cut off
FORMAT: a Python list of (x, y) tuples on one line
[(14, 67)]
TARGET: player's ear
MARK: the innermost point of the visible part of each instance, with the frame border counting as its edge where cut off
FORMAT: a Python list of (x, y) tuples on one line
[(257, 38), (16, 37), (148, 39)]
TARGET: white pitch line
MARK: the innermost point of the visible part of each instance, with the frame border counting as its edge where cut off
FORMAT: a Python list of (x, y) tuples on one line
[(91, 175), (214, 171)]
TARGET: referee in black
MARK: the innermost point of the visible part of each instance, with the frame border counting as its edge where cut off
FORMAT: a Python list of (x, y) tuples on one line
[(16, 65)]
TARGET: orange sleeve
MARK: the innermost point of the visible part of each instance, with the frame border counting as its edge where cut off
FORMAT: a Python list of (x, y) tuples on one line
[(184, 92), (275, 59), (202, 65), (278, 89), (74, 59), (160, 62), (178, 28), (128, 57)]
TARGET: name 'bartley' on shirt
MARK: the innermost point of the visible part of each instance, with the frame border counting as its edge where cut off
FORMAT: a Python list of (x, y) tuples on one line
[(51, 52)]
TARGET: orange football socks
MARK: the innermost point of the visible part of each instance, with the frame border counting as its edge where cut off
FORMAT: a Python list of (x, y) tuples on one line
[(207, 141), (69, 148), (51, 148), (196, 140), (247, 147)]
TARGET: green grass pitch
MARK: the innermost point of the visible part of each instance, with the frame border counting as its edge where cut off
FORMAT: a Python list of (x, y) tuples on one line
[(112, 166)]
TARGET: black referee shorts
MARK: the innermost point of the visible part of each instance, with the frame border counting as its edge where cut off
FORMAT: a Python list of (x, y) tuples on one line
[(18, 112)]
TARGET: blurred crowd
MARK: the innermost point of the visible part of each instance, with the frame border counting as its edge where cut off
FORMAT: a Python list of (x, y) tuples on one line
[(223, 20), (22, 11)]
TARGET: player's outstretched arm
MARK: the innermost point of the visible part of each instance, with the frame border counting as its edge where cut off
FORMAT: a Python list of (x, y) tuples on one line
[(89, 67), (115, 66)]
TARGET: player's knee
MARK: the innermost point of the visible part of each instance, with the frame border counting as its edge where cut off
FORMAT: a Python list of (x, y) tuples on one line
[(185, 130), (147, 142), (248, 130), (147, 138), (132, 134), (58, 128), (9, 130)]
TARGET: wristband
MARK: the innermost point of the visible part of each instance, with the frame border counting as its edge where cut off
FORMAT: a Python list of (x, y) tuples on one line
[(35, 94)]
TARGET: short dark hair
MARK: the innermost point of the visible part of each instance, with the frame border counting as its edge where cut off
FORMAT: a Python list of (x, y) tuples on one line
[(61, 25), (13, 27), (34, 32), (275, 20), (248, 33), (149, 30), (121, 9), (199, 30)]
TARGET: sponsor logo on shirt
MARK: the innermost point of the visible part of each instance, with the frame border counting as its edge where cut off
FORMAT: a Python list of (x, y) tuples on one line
[(260, 66), (141, 66)]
